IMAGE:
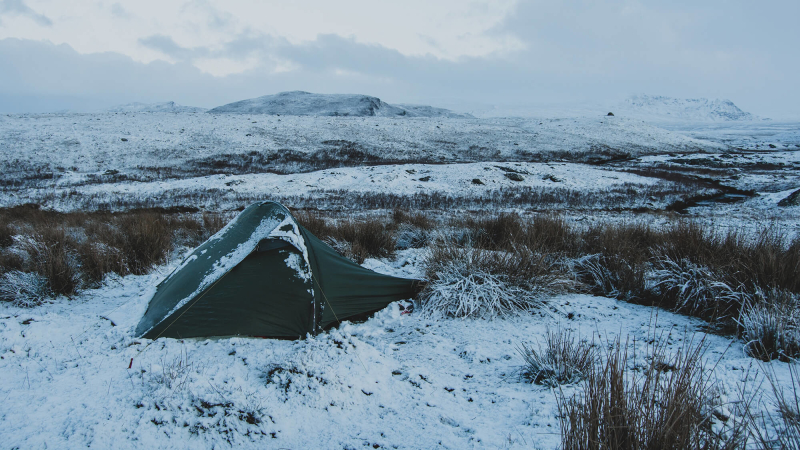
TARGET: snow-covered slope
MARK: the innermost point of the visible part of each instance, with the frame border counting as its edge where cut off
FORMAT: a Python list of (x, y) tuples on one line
[(155, 107), (430, 111), (659, 108), (299, 103)]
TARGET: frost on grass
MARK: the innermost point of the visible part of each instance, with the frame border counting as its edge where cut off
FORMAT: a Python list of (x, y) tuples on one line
[(23, 289), (694, 288), (770, 326), (610, 275), (461, 291), (562, 359)]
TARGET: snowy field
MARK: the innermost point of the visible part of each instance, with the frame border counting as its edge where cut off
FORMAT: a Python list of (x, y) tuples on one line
[(394, 381), (76, 146)]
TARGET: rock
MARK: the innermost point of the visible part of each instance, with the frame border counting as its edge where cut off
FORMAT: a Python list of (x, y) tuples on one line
[(477, 181), (514, 176), (124, 139), (552, 178), (610, 114), (428, 178), (792, 200)]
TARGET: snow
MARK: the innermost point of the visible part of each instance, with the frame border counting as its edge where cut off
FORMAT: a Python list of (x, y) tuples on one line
[(289, 232), (395, 380), (81, 148), (406, 179)]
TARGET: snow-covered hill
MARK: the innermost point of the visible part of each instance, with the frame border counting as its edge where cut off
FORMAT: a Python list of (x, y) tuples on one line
[(155, 107), (660, 108), (300, 103), (430, 111)]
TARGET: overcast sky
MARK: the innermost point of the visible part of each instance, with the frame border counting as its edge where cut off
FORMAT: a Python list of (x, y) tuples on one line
[(85, 54)]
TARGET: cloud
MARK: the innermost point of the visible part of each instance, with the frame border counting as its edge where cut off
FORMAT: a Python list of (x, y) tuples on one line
[(169, 47), (335, 64), (119, 11), (18, 7)]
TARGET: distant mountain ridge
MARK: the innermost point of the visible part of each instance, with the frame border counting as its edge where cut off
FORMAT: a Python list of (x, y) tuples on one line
[(677, 109), (154, 107), (301, 103)]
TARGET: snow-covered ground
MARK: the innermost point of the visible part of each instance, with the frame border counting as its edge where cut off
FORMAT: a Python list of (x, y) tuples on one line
[(95, 143), (394, 381), (455, 181)]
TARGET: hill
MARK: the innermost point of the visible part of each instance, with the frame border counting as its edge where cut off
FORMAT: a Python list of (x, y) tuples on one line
[(656, 107), (155, 107), (300, 103)]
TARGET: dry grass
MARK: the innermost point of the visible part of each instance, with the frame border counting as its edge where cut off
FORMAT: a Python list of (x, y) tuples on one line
[(356, 239), (781, 429), (666, 404), (72, 251), (562, 359), (770, 326)]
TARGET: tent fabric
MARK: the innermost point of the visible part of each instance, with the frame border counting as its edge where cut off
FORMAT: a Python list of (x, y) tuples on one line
[(265, 275)]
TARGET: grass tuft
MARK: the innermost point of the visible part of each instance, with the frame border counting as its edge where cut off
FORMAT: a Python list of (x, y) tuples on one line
[(667, 404), (561, 360)]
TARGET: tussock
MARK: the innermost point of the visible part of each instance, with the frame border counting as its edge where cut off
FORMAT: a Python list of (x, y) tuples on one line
[(770, 326), (23, 288), (561, 360), (666, 404)]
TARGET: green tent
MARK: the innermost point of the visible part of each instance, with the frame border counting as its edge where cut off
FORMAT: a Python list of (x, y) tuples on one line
[(265, 275)]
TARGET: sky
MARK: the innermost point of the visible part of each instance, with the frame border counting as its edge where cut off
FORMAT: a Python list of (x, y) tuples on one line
[(463, 54)]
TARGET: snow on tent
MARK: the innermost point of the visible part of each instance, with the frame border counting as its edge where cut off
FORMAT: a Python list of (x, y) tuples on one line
[(265, 275)]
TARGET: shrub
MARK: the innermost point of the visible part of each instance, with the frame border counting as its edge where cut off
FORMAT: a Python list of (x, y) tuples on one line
[(98, 259), (563, 360), (664, 405), (545, 233), (499, 232), (614, 258), (23, 288), (770, 326), (313, 222)]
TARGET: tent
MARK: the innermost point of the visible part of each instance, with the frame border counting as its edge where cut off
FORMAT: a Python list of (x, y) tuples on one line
[(265, 275)]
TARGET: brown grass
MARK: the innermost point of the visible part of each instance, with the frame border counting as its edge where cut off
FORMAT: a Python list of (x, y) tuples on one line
[(562, 359), (357, 239), (76, 250), (666, 404)]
